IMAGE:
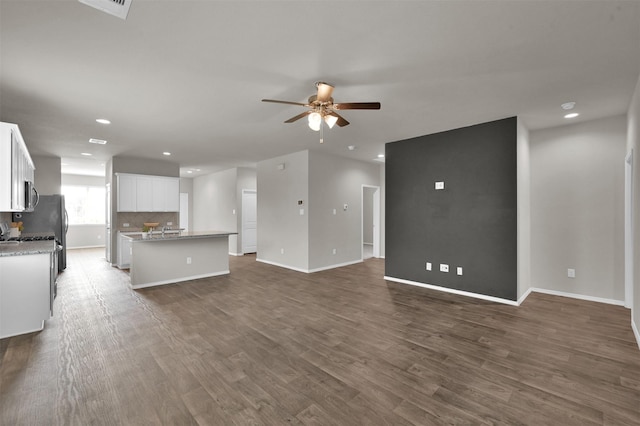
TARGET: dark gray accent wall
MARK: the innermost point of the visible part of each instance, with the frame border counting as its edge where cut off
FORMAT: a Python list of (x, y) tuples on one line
[(472, 223)]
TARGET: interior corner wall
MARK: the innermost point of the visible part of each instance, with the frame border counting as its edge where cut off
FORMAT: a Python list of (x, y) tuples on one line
[(214, 206), (524, 210), (186, 187), (333, 183), (577, 208), (246, 179), (48, 175), (633, 143), (472, 223), (283, 224)]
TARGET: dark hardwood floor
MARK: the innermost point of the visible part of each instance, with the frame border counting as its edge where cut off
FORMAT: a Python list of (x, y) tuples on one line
[(270, 346)]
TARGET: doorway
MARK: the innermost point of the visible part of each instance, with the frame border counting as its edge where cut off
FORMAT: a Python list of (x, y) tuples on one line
[(370, 222), (249, 221), (628, 230)]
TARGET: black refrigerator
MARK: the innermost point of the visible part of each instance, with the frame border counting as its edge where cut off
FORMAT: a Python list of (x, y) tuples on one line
[(49, 216)]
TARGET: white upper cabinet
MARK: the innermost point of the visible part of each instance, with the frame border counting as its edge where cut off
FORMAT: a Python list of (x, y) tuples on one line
[(144, 193), (16, 168)]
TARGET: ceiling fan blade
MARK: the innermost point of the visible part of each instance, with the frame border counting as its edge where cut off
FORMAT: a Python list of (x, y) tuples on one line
[(324, 91), (357, 105), (284, 102), (298, 117), (341, 121)]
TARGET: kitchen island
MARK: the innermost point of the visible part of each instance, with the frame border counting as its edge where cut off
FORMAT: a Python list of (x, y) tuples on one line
[(168, 258)]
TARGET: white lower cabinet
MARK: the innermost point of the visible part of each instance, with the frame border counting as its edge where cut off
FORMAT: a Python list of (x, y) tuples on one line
[(25, 293), (124, 251)]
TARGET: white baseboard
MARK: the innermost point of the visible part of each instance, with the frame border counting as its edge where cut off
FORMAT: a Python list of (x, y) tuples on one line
[(308, 271), (578, 296), (179, 280), (85, 247), (236, 254), (524, 296), (636, 332), (454, 291)]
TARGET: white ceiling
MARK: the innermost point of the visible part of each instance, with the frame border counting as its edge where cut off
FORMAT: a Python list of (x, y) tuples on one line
[(188, 76)]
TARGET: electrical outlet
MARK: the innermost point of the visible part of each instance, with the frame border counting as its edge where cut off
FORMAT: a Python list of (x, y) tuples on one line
[(125, 225), (439, 185), (459, 270), (335, 251), (571, 273), (281, 251), (188, 260), (428, 266), (444, 267)]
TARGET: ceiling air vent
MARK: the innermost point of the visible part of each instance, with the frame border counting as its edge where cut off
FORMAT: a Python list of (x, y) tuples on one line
[(119, 8)]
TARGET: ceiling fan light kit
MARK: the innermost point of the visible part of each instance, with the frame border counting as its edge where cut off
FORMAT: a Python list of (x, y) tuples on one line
[(322, 108)]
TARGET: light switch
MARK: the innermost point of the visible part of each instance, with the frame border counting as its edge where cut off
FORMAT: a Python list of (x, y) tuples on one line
[(345, 207), (301, 212), (439, 185), (571, 273), (459, 270), (428, 267), (335, 211)]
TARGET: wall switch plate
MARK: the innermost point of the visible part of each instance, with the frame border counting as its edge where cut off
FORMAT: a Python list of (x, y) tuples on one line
[(125, 225), (571, 273), (428, 266), (301, 212), (188, 261), (169, 223), (459, 270), (444, 267), (281, 251), (335, 211), (345, 207), (439, 185), (233, 211), (335, 251)]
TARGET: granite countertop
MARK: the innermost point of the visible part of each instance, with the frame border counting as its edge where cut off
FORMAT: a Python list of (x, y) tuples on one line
[(157, 235), (14, 248)]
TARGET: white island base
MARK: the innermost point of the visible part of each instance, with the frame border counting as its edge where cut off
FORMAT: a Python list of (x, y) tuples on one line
[(171, 259)]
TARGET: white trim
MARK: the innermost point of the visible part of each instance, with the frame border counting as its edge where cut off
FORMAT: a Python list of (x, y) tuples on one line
[(524, 296), (179, 280), (628, 230), (19, 333), (337, 265), (635, 332), (84, 247), (579, 296), (309, 271), (454, 291), (281, 265), (236, 254)]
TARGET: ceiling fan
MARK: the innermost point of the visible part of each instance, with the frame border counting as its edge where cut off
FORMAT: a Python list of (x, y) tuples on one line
[(322, 108)]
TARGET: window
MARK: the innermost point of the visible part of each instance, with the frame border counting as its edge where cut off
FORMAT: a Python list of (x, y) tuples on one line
[(85, 204)]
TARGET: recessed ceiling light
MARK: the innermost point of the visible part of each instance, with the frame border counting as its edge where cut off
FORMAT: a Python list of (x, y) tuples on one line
[(351, 147), (568, 105), (572, 115), (97, 141), (86, 154), (166, 153), (189, 171), (380, 155), (197, 170), (103, 121)]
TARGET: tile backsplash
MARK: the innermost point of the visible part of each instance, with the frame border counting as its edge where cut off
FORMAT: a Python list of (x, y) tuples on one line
[(137, 220)]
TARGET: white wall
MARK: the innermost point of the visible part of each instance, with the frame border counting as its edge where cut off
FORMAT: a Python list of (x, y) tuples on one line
[(524, 209), (186, 186), (367, 215), (577, 206), (333, 182), (633, 142), (214, 204), (283, 233)]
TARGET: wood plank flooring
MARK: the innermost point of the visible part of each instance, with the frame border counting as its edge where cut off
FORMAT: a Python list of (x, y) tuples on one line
[(269, 346)]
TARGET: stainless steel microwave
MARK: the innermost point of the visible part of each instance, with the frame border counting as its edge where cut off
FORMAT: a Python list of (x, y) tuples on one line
[(31, 196)]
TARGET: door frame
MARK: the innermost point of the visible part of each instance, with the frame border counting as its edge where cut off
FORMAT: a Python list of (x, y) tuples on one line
[(376, 220)]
